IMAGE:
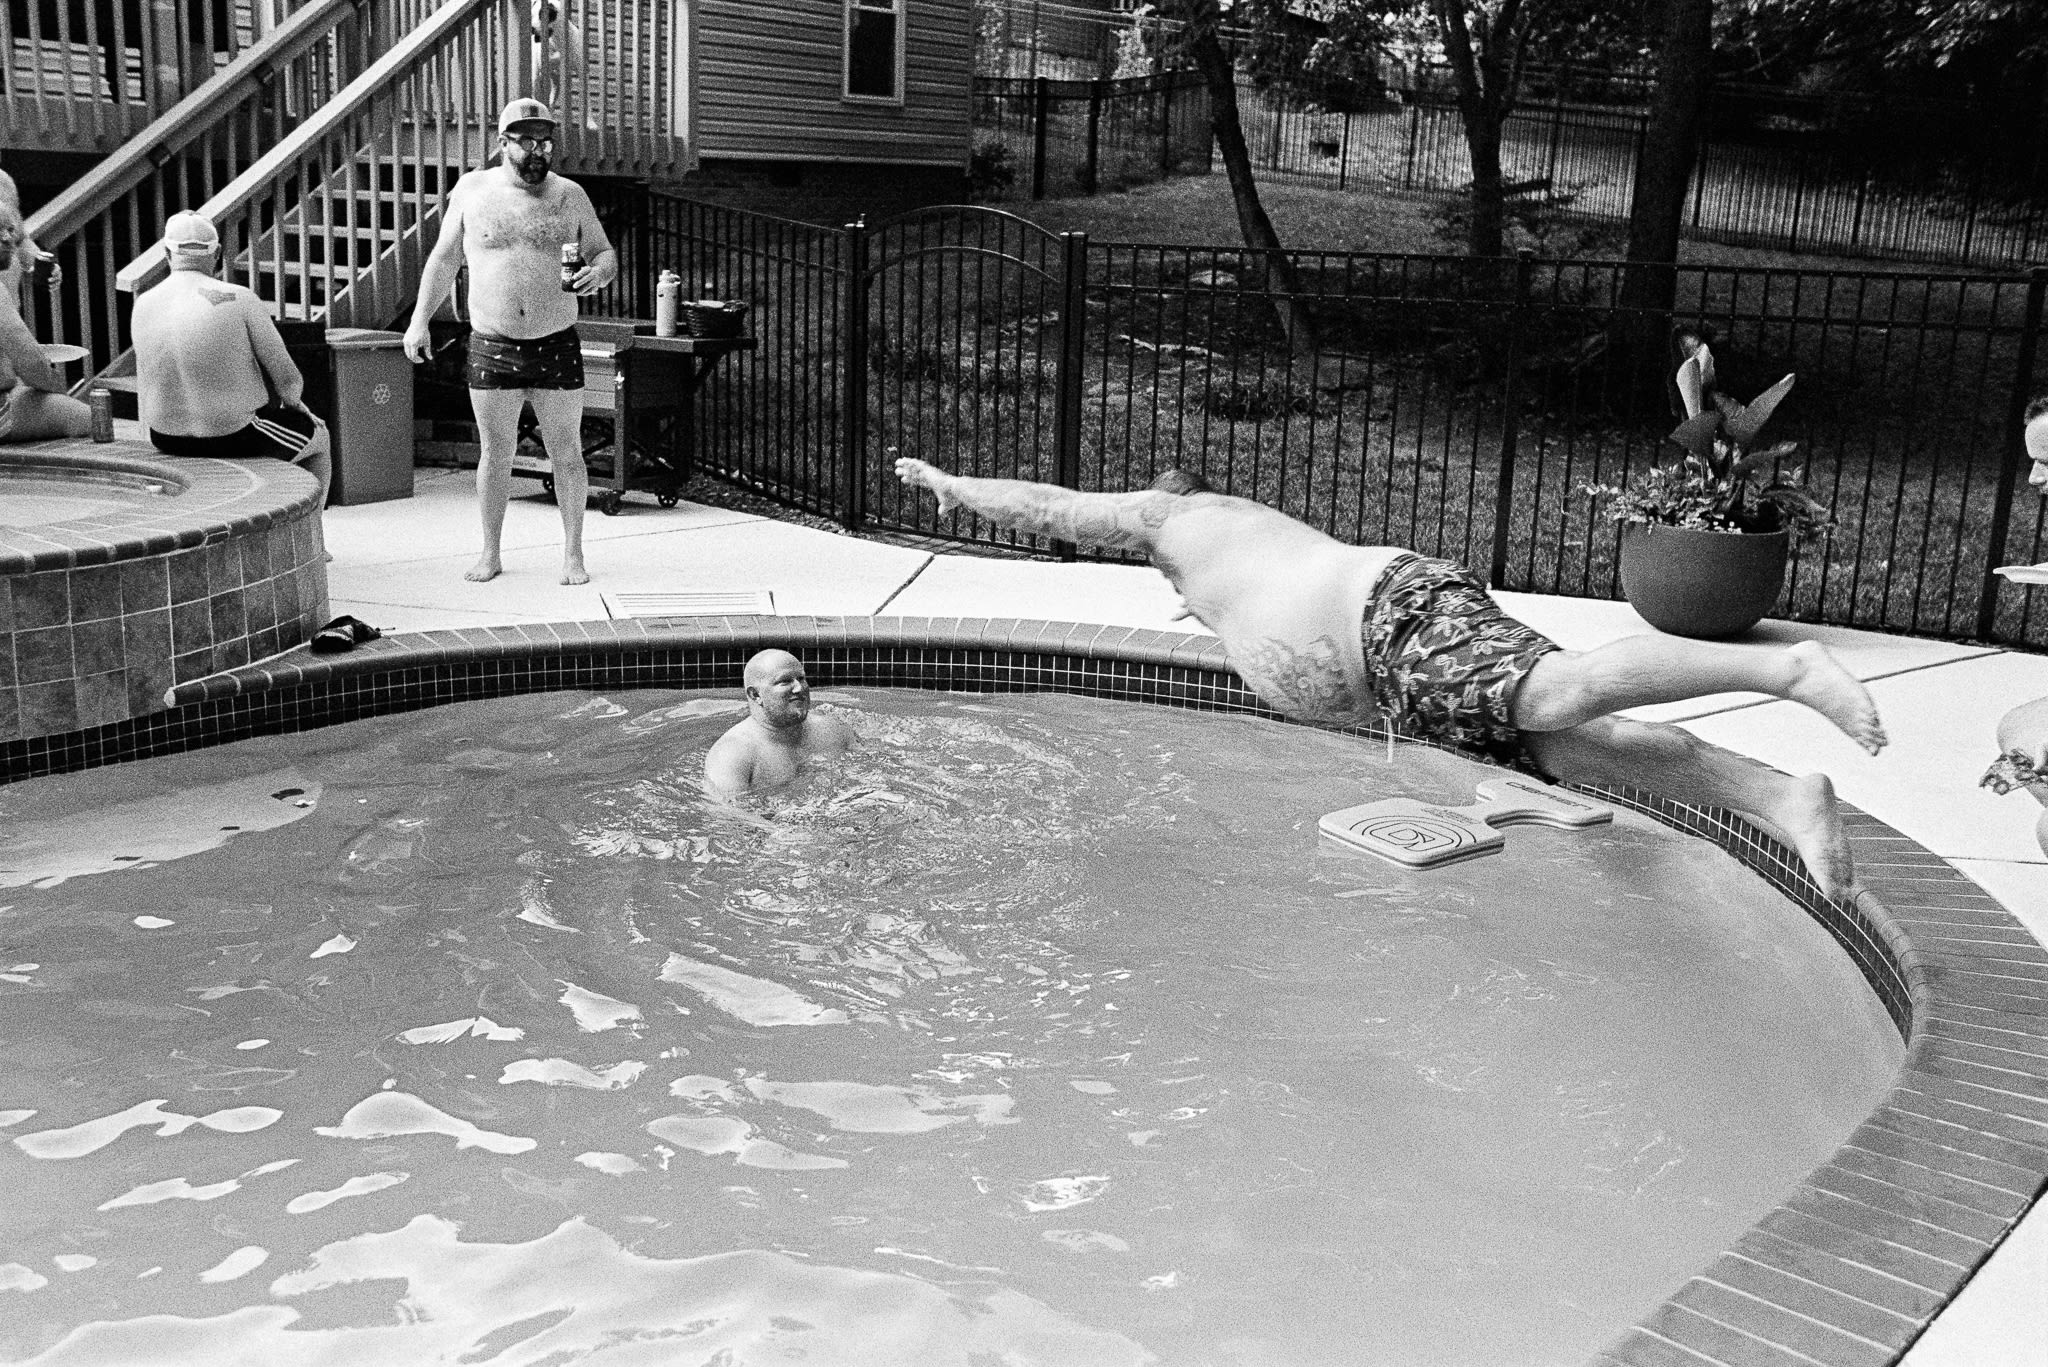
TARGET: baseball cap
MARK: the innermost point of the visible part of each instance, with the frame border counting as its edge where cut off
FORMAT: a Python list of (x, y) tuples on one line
[(524, 111), (190, 232)]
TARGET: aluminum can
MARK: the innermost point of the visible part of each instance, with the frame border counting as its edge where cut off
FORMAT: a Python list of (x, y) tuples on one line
[(572, 262), (44, 271), (101, 401)]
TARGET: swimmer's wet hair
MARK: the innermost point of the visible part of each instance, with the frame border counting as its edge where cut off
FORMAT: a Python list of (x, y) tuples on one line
[(1178, 481)]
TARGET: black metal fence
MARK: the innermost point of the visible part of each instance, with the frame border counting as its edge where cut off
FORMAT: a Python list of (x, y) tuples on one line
[(1454, 406), (1805, 194), (1082, 137)]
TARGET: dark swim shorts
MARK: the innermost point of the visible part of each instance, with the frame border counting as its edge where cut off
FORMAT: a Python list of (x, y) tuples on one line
[(1445, 661), (551, 362), (276, 432)]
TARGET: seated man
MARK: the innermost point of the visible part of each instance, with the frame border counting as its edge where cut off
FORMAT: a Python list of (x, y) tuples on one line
[(2023, 732), (780, 737), (213, 377), (1327, 632), (34, 403)]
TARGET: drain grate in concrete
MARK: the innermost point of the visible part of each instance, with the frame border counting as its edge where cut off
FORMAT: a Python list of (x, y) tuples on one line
[(729, 603)]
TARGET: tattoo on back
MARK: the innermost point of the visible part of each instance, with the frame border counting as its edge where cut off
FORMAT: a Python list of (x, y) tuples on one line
[(1306, 683)]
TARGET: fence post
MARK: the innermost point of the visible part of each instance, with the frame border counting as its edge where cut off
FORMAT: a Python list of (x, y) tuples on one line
[(1041, 109), (1067, 385), (1414, 136), (853, 405), (1166, 124), (1092, 169), (1856, 223), (1510, 402), (1344, 153), (2015, 451), (1798, 201)]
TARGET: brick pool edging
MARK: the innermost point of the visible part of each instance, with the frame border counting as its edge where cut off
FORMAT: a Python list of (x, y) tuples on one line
[(1849, 1269)]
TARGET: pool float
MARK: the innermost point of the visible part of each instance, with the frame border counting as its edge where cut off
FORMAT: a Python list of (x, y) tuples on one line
[(1424, 835)]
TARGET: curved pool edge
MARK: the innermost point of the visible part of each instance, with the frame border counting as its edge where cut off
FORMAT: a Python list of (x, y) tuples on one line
[(1850, 1268)]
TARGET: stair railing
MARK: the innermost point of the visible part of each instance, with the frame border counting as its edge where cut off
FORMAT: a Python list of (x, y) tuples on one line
[(180, 158), (341, 205)]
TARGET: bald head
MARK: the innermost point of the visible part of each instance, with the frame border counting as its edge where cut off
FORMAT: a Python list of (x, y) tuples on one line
[(766, 664), (778, 693)]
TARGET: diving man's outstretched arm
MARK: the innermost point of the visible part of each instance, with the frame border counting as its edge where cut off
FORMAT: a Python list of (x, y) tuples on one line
[(1128, 521)]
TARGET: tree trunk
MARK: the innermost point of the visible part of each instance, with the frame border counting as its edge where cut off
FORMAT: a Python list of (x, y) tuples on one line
[(1486, 63), (1275, 269), (1670, 143)]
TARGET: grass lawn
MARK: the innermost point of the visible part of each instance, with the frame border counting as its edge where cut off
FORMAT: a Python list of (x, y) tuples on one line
[(1197, 211)]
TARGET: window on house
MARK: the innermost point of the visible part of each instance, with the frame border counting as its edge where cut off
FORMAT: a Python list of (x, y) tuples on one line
[(874, 49)]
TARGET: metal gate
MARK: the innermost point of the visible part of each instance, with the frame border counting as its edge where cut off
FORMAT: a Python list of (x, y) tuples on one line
[(964, 349)]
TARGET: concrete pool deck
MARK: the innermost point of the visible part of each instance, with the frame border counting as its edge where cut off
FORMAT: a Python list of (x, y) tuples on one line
[(399, 565)]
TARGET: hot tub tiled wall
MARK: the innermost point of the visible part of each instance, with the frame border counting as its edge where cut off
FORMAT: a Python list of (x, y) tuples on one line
[(1848, 1271), (99, 617)]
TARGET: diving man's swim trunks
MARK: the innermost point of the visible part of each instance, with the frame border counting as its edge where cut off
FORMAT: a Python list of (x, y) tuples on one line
[(551, 362), (1445, 661)]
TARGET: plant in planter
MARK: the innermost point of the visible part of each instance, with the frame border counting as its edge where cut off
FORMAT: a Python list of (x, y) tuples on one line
[(1704, 541)]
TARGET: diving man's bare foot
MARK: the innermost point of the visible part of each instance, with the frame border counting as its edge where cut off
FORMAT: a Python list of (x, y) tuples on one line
[(573, 571), (1808, 821), (1836, 694), (484, 570)]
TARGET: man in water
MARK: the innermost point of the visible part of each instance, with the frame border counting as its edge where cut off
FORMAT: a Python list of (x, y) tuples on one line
[(780, 737), (34, 402), (1339, 634), (509, 224), (212, 376)]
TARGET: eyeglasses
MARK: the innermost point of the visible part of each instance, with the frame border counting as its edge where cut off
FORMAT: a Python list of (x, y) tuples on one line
[(531, 143)]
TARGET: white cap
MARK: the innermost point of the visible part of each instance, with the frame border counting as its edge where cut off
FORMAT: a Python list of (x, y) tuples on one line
[(190, 232), (524, 110)]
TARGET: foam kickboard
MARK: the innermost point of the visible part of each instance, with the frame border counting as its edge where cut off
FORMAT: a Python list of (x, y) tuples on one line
[(1426, 835)]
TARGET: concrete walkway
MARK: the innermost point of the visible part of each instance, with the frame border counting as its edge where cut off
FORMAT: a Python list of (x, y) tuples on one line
[(399, 566)]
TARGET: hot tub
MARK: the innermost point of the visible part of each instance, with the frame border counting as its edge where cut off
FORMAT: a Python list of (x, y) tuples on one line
[(123, 574)]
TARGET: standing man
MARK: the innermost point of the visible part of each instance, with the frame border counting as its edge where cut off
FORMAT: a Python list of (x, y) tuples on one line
[(1339, 634), (509, 223), (212, 376)]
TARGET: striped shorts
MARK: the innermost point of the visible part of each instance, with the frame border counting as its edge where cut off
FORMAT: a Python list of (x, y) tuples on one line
[(276, 432)]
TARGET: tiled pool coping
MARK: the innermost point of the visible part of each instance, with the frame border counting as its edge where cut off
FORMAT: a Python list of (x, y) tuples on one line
[(1849, 1270)]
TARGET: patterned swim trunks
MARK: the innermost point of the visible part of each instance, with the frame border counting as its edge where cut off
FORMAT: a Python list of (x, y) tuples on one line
[(1445, 661), (551, 362), (2013, 769)]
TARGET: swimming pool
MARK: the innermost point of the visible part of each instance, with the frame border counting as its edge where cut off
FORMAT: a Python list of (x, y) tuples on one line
[(1050, 1008), (1854, 1262)]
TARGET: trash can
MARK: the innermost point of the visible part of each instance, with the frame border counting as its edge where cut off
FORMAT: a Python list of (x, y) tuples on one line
[(371, 418)]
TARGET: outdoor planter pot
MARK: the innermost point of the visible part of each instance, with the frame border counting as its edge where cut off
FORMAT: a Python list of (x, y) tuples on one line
[(1704, 584)]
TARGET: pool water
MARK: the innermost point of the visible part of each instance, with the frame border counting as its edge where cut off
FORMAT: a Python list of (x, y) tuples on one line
[(40, 497), (1044, 1029)]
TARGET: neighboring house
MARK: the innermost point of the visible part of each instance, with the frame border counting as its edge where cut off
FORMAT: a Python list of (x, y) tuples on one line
[(814, 108)]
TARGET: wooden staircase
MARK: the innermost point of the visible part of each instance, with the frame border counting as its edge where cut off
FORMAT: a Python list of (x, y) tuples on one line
[(333, 187)]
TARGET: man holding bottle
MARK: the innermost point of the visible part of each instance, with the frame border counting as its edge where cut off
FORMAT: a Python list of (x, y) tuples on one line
[(533, 246)]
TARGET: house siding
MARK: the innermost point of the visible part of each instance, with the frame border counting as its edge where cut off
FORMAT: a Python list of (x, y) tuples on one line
[(769, 76)]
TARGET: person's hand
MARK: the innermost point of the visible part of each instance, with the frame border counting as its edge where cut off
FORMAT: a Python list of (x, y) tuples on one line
[(920, 475), (594, 277), (416, 343), (33, 255)]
